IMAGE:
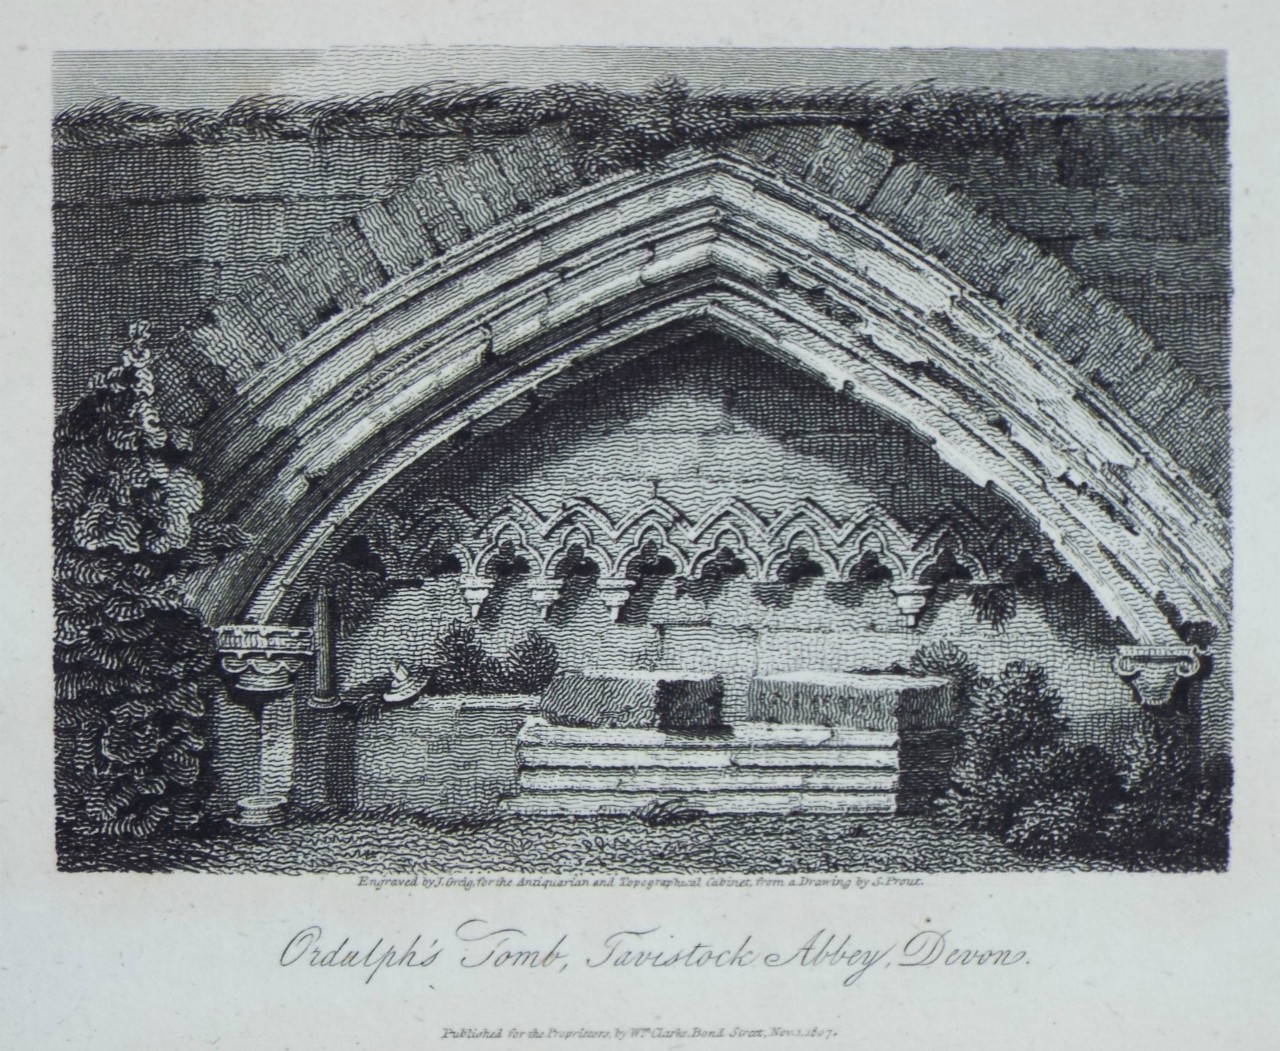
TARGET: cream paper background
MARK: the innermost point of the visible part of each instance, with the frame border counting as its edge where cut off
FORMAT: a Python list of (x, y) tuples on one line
[(137, 962)]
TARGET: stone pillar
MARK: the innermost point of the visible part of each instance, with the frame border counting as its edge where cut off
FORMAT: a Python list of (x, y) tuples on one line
[(263, 660), (325, 693)]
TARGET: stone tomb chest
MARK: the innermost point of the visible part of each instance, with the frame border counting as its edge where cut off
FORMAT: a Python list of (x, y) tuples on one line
[(667, 699), (864, 701), (616, 742)]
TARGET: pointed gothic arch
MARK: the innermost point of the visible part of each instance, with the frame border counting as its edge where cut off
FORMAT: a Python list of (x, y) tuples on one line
[(704, 243)]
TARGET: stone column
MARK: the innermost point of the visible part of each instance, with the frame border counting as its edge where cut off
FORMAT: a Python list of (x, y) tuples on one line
[(325, 694), (263, 660)]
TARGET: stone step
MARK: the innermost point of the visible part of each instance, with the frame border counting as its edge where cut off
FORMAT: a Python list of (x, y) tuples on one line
[(727, 802), (740, 736), (703, 781), (720, 756)]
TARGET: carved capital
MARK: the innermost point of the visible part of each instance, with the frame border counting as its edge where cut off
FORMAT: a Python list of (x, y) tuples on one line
[(912, 599), (263, 658), (615, 591), (475, 589), (545, 592), (1153, 671)]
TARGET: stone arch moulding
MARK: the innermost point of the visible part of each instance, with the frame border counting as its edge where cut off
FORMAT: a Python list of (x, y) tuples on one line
[(704, 243)]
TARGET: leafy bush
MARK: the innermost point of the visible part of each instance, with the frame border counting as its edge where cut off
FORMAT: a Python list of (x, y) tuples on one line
[(1172, 816), (1015, 776), (464, 665), (532, 663), (659, 813), (994, 604), (948, 660), (619, 128), (133, 663)]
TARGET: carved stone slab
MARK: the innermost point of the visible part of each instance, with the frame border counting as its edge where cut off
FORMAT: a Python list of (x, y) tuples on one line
[(860, 701), (668, 699)]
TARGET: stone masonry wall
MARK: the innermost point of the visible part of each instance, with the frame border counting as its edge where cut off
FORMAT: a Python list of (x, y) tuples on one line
[(695, 425), (1138, 206)]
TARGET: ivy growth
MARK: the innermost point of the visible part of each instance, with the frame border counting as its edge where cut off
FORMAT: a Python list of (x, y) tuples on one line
[(133, 662)]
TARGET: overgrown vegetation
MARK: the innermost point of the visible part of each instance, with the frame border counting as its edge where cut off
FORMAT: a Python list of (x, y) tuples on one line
[(622, 129), (1019, 777), (1174, 816), (133, 662), (464, 665), (659, 813)]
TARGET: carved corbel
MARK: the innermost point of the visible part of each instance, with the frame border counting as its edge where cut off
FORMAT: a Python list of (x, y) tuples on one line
[(911, 599), (475, 589), (1153, 672), (545, 592), (263, 658), (615, 591)]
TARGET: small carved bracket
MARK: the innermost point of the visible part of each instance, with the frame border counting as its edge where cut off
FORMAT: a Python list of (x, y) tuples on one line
[(615, 591), (1154, 671), (475, 589), (546, 592), (911, 599), (263, 658)]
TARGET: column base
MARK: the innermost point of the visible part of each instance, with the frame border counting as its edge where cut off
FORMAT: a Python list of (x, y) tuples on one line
[(324, 704), (260, 811)]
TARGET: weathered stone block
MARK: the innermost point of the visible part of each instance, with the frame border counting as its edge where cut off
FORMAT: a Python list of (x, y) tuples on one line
[(311, 291), (482, 171), (329, 268), (237, 341), (859, 701), (436, 213), (358, 257), (522, 163), (1035, 286), (272, 310), (444, 755), (456, 186), (669, 699), (398, 245), (849, 168), (788, 151)]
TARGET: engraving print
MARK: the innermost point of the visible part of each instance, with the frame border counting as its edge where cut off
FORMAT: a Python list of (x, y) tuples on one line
[(701, 462)]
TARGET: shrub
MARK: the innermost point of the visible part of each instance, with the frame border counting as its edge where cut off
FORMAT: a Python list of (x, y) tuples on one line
[(133, 663), (659, 813), (532, 663), (1015, 776), (948, 660), (1172, 815), (464, 665)]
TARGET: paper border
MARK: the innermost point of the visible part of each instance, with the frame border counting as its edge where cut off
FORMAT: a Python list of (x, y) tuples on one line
[(135, 961)]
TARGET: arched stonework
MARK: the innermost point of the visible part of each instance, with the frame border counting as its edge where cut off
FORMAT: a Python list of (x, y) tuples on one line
[(704, 243), (336, 273)]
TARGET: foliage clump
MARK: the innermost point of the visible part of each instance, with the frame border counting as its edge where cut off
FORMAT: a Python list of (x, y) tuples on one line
[(464, 665), (1018, 776), (1173, 816), (133, 661), (620, 130)]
